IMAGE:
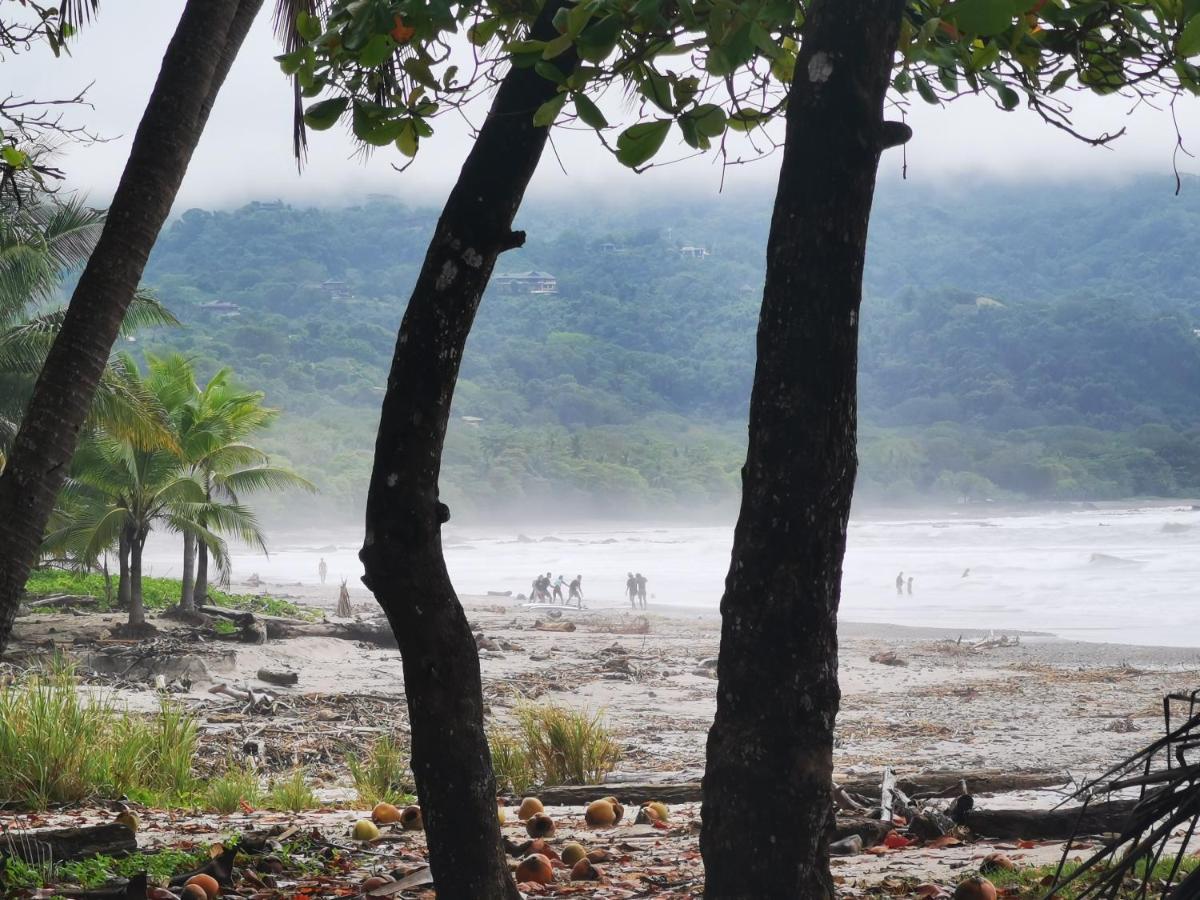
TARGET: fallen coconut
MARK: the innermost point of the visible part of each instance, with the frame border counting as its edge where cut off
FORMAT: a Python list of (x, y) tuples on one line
[(583, 870), (530, 806), (129, 819), (193, 892), (535, 867), (539, 845), (601, 814), (658, 809), (996, 862), (618, 809), (376, 881), (501, 814), (410, 819), (540, 825), (365, 830), (573, 852), (206, 883), (385, 814), (599, 855), (976, 888)]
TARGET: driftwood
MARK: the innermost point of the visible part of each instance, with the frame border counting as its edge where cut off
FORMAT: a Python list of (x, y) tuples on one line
[(113, 838), (344, 610), (628, 794), (948, 783), (872, 831), (284, 679), (61, 600), (377, 633), (1050, 824)]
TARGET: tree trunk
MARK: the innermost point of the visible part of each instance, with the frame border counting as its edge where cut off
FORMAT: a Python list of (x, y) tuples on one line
[(194, 66), (123, 578), (200, 588), (768, 811), (137, 612), (402, 550), (187, 598)]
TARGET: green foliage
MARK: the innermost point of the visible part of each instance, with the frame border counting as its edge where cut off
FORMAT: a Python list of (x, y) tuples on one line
[(57, 746), (157, 593), (236, 785), (382, 775), (1031, 882), (625, 392), (565, 746), (160, 866), (511, 762), (292, 793)]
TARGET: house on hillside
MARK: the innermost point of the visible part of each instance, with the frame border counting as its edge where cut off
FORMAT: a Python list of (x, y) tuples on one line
[(337, 290), (222, 309), (532, 282), (692, 252)]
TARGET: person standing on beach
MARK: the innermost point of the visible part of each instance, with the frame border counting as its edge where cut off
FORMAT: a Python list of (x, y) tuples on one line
[(910, 585), (900, 585), (558, 586), (631, 589), (322, 569), (640, 579), (575, 591)]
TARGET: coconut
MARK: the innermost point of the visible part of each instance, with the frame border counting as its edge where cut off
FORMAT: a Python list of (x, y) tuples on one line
[(583, 870), (657, 809), (193, 892), (365, 830), (601, 814), (977, 888), (376, 881), (573, 852), (995, 862), (538, 845), (206, 883), (529, 806), (540, 825), (618, 809), (535, 867), (385, 814), (410, 819)]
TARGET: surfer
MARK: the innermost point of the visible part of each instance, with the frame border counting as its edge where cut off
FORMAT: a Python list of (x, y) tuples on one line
[(631, 590), (640, 580), (900, 585), (558, 588), (575, 591)]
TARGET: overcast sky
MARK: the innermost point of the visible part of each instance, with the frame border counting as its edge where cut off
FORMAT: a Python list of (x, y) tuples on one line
[(246, 150)]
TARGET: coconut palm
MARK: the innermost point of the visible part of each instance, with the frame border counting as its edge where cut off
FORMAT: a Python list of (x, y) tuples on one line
[(211, 424), (40, 241)]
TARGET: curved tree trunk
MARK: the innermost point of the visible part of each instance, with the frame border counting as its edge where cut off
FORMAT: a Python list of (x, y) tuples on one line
[(402, 550), (123, 578), (767, 810), (209, 34), (187, 599)]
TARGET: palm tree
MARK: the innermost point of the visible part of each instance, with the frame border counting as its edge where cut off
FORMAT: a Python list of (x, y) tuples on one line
[(40, 241), (211, 425)]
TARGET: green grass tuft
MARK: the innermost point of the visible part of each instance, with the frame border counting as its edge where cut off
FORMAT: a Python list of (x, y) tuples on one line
[(292, 794), (566, 746), (227, 792), (382, 776)]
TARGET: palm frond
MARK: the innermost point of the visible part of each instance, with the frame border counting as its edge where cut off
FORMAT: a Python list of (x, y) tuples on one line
[(262, 478)]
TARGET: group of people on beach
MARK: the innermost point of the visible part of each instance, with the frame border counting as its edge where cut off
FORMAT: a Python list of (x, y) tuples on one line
[(548, 590)]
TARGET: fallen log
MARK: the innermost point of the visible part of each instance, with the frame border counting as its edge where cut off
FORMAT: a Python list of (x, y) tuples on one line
[(1050, 824), (377, 633), (111, 839), (872, 831), (283, 679), (62, 600), (628, 794), (948, 783)]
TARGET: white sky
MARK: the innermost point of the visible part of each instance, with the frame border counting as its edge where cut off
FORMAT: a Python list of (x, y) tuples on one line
[(246, 150)]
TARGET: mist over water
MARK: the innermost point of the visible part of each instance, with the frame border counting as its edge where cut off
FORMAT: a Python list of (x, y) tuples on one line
[(1125, 576)]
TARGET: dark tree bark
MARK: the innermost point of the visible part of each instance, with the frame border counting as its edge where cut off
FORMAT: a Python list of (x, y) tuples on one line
[(209, 34), (123, 577), (402, 549), (768, 811), (187, 598)]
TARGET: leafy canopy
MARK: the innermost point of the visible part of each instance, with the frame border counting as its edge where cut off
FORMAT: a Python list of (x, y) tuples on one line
[(708, 67)]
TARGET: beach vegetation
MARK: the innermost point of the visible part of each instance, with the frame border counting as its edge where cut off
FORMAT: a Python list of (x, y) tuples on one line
[(381, 774)]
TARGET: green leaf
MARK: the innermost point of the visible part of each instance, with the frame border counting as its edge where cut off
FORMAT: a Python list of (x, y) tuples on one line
[(710, 119), (482, 32), (1008, 97), (686, 90), (291, 62), (589, 113), (377, 51), (1189, 39), (599, 39), (406, 141), (578, 18), (549, 71), (926, 91), (323, 114), (985, 55), (548, 111), (308, 27), (637, 144), (558, 46), (657, 90), (1059, 80), (985, 16), (747, 119)]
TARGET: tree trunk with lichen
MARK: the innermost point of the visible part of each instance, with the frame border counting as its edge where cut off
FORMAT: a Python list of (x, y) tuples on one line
[(402, 550), (767, 811), (204, 45)]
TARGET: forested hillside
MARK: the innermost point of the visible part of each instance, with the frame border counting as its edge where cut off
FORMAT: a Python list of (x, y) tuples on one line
[(1026, 343)]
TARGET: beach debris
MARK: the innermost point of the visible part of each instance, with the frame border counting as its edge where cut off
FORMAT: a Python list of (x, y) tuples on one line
[(278, 677), (888, 658), (534, 868), (997, 862), (206, 883), (539, 825), (585, 870), (385, 814), (365, 830), (529, 807), (573, 852), (975, 888), (1122, 726), (344, 610), (376, 881), (410, 819), (851, 845), (652, 811), (129, 819), (539, 625), (603, 813), (194, 892)]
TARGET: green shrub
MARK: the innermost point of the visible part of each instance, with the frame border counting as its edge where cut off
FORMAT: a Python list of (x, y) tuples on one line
[(227, 792), (553, 745), (57, 746), (510, 761), (292, 793), (382, 777)]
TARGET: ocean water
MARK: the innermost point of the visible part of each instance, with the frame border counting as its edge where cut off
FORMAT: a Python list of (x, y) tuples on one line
[(1128, 576)]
